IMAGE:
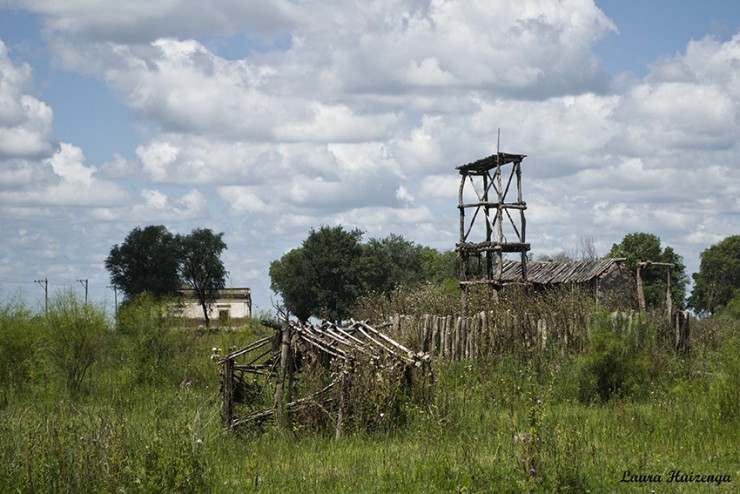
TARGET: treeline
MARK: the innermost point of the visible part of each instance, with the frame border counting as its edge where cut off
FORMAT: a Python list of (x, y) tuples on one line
[(333, 268)]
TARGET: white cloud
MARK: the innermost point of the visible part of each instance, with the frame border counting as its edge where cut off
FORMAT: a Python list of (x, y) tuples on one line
[(156, 158), (404, 196), (117, 168), (136, 21), (61, 180), (25, 122), (440, 187), (358, 113), (243, 200), (336, 123)]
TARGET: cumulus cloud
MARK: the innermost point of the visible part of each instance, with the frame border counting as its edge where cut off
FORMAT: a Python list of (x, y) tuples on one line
[(25, 122), (65, 181), (131, 22), (357, 114)]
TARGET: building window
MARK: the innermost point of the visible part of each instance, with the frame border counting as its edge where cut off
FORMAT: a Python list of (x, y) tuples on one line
[(224, 318)]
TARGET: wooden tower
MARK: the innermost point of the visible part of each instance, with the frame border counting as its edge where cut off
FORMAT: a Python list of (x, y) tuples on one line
[(485, 188)]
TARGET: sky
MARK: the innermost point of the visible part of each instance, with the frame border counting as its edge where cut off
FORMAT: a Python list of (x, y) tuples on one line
[(264, 120)]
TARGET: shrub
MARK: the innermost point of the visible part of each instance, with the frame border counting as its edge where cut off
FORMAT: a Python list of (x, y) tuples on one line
[(19, 335), (725, 381), (148, 329), (75, 335), (613, 365)]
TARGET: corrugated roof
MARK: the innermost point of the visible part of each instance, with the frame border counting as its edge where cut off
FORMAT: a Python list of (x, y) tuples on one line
[(557, 272)]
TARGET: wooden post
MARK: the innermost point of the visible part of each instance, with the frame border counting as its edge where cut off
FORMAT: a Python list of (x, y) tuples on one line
[(342, 404), (681, 327), (522, 219), (640, 289), (426, 334), (286, 371), (227, 391), (669, 295), (455, 339)]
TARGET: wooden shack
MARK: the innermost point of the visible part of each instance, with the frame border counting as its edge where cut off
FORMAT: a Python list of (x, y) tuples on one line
[(608, 280)]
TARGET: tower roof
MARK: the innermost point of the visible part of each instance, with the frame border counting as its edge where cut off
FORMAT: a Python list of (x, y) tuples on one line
[(485, 164)]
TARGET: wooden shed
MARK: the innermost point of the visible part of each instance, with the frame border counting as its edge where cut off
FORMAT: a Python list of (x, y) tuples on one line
[(608, 280)]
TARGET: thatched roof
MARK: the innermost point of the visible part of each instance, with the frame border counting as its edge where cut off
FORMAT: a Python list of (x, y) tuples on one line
[(490, 162), (550, 273)]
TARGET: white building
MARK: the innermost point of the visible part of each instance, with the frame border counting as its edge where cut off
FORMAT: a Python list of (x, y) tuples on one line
[(232, 306)]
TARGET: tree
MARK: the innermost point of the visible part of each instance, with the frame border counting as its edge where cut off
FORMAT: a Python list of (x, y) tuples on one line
[(289, 277), (718, 277), (391, 262), (201, 267), (324, 277), (642, 247), (584, 250), (146, 261), (437, 266)]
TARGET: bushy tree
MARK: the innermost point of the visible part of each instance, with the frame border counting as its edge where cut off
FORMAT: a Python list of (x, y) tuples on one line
[(332, 269), (289, 277), (391, 262), (642, 247), (146, 261), (18, 348), (324, 277), (201, 267), (75, 337), (718, 277), (436, 266), (152, 260)]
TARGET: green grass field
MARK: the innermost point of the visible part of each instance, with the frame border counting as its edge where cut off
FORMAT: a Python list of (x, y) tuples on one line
[(88, 406)]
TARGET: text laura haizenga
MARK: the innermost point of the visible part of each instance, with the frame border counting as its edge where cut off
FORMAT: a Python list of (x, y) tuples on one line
[(677, 476)]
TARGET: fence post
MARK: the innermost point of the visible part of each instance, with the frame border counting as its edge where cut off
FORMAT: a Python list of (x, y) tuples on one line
[(286, 375), (227, 391), (681, 325)]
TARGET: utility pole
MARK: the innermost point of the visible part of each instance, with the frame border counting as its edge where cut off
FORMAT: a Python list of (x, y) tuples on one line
[(45, 285), (115, 299), (84, 283)]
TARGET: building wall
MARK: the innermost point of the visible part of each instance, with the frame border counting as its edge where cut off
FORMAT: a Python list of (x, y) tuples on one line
[(616, 288), (234, 303)]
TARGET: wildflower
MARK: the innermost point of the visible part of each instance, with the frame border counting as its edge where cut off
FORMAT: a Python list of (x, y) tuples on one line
[(532, 471)]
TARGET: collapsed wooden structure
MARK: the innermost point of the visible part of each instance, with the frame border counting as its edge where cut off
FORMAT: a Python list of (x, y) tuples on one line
[(273, 363)]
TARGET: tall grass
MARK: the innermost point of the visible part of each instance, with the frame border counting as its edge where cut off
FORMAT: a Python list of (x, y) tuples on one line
[(146, 417)]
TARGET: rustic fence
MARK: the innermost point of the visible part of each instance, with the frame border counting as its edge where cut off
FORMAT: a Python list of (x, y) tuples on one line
[(487, 333)]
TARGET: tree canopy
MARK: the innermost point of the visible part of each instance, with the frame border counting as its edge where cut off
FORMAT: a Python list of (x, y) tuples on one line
[(153, 260), (333, 268), (201, 267), (146, 261), (718, 278), (391, 262), (324, 276), (643, 247)]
